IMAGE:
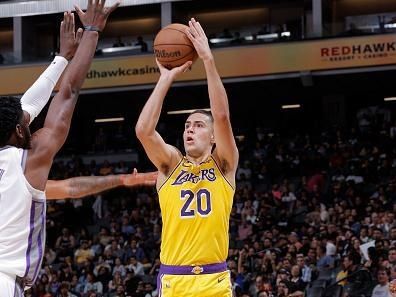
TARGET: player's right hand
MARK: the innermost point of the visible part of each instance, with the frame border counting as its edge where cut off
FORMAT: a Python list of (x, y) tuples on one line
[(69, 40), (96, 14)]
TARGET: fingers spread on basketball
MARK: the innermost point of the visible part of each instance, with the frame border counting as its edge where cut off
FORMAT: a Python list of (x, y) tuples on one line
[(172, 47)]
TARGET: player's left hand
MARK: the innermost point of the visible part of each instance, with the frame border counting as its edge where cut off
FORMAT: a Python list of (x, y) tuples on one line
[(139, 179), (173, 73), (69, 40), (96, 14), (198, 37)]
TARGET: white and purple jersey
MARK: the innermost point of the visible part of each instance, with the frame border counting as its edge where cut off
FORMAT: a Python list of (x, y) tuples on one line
[(22, 218)]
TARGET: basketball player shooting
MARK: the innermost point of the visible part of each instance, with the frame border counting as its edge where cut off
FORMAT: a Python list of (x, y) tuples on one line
[(196, 190), (25, 160)]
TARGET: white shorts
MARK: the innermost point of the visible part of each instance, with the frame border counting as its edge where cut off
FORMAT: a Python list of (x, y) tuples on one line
[(9, 286)]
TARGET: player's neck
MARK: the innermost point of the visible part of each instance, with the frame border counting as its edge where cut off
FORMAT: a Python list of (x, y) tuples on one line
[(198, 160)]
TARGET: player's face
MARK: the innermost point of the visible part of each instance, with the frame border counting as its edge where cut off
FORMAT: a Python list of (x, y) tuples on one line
[(198, 134)]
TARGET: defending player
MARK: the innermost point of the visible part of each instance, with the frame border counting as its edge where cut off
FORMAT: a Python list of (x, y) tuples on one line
[(25, 161)]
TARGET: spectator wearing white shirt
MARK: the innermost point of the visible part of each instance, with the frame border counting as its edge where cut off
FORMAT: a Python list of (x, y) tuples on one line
[(136, 266), (382, 289)]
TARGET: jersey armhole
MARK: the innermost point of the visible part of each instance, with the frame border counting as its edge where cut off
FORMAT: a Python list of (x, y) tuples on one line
[(222, 173), (170, 175)]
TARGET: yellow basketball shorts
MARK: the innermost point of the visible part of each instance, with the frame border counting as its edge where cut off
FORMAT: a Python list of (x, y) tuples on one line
[(211, 280)]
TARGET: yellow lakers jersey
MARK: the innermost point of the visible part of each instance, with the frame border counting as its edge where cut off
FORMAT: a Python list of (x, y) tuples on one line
[(196, 202)]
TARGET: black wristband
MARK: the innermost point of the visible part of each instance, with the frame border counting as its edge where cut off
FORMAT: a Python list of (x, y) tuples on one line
[(92, 28)]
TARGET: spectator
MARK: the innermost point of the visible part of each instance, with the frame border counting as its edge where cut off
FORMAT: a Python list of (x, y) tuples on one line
[(65, 244), (64, 290), (324, 261), (118, 42), (133, 250), (143, 45), (83, 254), (136, 266), (119, 268), (306, 271), (296, 279), (91, 285), (115, 282), (382, 289)]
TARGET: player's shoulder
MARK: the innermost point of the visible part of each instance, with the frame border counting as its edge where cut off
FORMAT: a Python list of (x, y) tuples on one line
[(10, 153)]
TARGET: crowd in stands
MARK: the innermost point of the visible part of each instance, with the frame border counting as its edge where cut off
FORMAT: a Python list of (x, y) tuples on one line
[(312, 214)]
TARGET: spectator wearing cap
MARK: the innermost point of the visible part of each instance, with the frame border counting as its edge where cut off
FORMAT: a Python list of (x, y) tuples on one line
[(282, 275)]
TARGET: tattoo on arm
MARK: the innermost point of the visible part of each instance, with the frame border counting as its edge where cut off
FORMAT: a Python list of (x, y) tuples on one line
[(89, 185)]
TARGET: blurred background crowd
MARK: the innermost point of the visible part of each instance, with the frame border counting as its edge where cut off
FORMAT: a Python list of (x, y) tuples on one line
[(312, 214)]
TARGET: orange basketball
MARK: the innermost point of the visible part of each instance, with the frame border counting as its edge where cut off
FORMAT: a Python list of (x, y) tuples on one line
[(172, 47)]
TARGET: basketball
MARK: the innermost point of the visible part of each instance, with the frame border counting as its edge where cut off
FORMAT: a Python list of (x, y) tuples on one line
[(172, 47)]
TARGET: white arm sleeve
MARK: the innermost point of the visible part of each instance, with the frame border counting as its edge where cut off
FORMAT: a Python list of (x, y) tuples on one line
[(37, 96)]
